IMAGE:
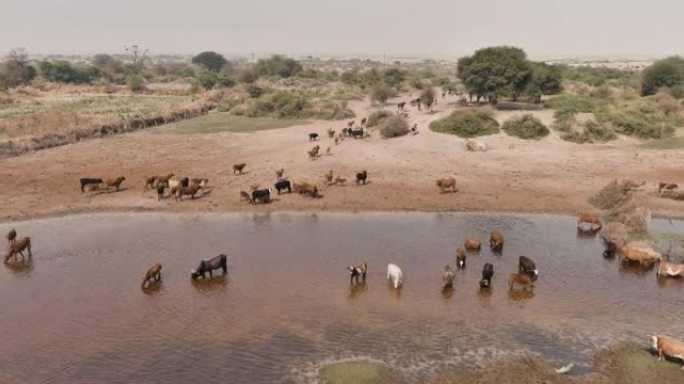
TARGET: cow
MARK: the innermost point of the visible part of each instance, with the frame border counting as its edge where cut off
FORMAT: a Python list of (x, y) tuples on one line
[(666, 269), (394, 275), (472, 244), (527, 266), (202, 182), (263, 195), (11, 236), (350, 124), (447, 183), (328, 177), (448, 278), (591, 218), (153, 275), (460, 258), (361, 177), (356, 133), (114, 183), (521, 279), (363, 121), (487, 273), (313, 136), (208, 265), (667, 187), (245, 196), (279, 173), (667, 346), (181, 191), (400, 106), (496, 240), (160, 192), (18, 247), (176, 182), (89, 181), (313, 153), (238, 168), (282, 185), (331, 133), (638, 254), (357, 270)]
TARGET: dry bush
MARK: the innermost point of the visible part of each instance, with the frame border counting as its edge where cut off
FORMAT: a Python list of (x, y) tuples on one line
[(614, 194), (635, 218), (666, 103), (394, 126), (376, 117), (525, 127), (615, 233), (467, 122)]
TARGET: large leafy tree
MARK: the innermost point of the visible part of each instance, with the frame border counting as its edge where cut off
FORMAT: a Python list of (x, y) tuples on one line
[(664, 73), (494, 72), (278, 65), (210, 60), (546, 80)]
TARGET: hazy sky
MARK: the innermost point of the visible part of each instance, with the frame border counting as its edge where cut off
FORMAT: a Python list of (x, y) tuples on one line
[(544, 28)]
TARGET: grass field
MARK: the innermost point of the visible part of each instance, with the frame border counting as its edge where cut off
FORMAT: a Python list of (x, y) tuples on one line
[(220, 122)]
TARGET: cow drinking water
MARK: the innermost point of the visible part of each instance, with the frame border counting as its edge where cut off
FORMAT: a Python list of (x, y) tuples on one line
[(208, 265)]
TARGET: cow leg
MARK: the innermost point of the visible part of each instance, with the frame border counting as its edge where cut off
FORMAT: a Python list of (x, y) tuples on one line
[(225, 269), (660, 354), (211, 275)]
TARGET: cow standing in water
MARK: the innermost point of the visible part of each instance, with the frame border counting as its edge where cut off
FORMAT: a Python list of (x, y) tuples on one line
[(208, 265)]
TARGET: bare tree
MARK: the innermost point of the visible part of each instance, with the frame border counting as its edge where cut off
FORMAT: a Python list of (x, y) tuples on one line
[(138, 55), (18, 57)]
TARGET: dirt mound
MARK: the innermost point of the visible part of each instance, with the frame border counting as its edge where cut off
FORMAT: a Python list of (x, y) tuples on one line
[(635, 218), (614, 194)]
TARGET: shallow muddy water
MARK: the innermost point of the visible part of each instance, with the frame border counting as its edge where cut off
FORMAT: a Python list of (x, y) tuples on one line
[(78, 315)]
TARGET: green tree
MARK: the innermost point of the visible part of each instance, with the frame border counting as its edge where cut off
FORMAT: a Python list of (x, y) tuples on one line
[(278, 65), (496, 71), (546, 80), (210, 60), (393, 77), (61, 71), (427, 97), (381, 93), (664, 73)]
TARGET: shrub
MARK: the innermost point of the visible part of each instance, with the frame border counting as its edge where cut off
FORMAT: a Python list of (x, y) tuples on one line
[(640, 118), (278, 65), (247, 75), (525, 127), (427, 97), (255, 91), (666, 103), (574, 103), (376, 117), (589, 132), (61, 71), (598, 76), (329, 110), (393, 126), (677, 92), (664, 73), (135, 83), (381, 93), (467, 122)]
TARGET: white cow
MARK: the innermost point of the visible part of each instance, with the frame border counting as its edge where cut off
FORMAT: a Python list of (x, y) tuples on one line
[(394, 274)]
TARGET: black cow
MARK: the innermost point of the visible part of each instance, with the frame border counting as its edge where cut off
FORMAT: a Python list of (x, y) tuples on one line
[(160, 191), (263, 195), (527, 266), (282, 185), (208, 265), (401, 105), (184, 182), (357, 270), (89, 180), (361, 177), (487, 273), (356, 133), (313, 136)]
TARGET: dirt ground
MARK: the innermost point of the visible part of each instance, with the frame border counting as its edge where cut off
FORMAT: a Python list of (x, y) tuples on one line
[(549, 175)]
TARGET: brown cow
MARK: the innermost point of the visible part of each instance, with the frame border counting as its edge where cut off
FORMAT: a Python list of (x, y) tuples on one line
[(245, 196), (460, 258), (641, 255), (191, 190), (472, 244), (667, 187), (237, 168), (329, 177), (313, 153), (446, 183), (520, 279), (11, 236), (667, 346), (152, 275), (593, 218), (496, 240), (279, 173), (114, 183), (18, 247)]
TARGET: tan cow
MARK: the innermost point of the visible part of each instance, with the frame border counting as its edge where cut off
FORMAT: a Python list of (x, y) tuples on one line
[(152, 275), (667, 346), (447, 183), (593, 218), (496, 240), (640, 254), (666, 269), (520, 279), (472, 244)]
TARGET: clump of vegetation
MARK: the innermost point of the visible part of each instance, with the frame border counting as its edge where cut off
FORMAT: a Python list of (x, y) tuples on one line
[(525, 127), (666, 73), (210, 60), (376, 117), (393, 126), (381, 93), (588, 132), (278, 66), (61, 71), (575, 103), (292, 105), (641, 118), (136, 83), (599, 76), (467, 122), (16, 70), (356, 372), (427, 97)]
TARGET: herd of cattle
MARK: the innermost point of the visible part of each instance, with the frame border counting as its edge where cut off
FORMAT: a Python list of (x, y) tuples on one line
[(525, 276)]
